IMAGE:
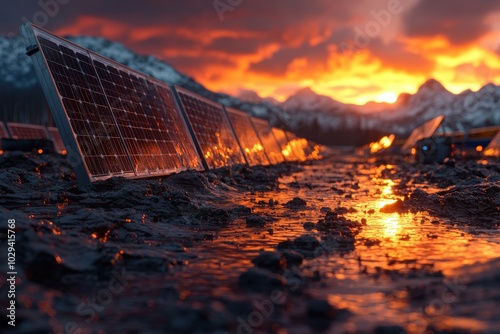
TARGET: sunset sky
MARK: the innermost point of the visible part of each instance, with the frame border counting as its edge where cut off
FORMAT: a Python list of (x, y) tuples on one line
[(353, 51)]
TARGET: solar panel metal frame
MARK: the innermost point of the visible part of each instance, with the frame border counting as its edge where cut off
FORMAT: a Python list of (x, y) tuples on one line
[(62, 120), (30, 127), (3, 131), (259, 124), (426, 130), (263, 160), (57, 139), (493, 147), (180, 90)]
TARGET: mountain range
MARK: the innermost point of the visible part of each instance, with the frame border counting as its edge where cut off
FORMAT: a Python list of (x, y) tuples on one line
[(310, 115)]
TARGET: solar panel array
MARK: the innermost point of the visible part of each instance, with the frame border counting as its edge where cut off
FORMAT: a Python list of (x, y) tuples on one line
[(3, 131), (425, 131), (212, 130), (119, 121), (114, 121), (28, 131), (250, 143), (268, 140)]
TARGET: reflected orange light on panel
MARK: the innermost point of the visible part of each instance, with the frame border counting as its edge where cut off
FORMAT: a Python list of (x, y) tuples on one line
[(383, 143)]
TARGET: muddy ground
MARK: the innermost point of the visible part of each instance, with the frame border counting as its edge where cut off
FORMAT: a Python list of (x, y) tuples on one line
[(342, 245)]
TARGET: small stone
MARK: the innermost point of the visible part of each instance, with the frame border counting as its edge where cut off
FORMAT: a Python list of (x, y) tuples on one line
[(309, 226), (293, 258), (260, 280), (255, 221), (273, 261), (296, 203)]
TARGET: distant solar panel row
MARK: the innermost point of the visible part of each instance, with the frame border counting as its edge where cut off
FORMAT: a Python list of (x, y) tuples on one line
[(32, 131), (426, 130), (115, 121)]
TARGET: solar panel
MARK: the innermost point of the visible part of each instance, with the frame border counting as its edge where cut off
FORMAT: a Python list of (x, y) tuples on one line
[(266, 136), (493, 148), (298, 145), (57, 140), (425, 131), (210, 126), (282, 141), (113, 121), (28, 131), (249, 140), (3, 131)]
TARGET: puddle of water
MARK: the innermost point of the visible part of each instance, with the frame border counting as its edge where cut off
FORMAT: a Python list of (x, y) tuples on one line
[(361, 280)]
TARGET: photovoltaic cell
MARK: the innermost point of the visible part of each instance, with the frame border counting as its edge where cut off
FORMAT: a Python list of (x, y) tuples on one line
[(493, 148), (57, 140), (118, 121), (266, 136), (28, 131), (425, 131), (3, 131), (249, 140), (282, 141), (212, 130)]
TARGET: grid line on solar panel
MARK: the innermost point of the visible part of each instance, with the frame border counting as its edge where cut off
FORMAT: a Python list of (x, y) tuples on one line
[(3, 131), (212, 130), (282, 141), (249, 140), (27, 131), (57, 140), (424, 131), (266, 136), (121, 121)]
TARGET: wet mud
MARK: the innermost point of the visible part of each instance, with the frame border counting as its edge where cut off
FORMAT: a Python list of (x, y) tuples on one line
[(342, 245)]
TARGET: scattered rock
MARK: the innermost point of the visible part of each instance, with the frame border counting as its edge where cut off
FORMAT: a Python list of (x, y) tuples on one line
[(320, 314), (293, 258), (273, 261), (255, 221), (296, 203), (260, 280), (309, 226), (397, 206)]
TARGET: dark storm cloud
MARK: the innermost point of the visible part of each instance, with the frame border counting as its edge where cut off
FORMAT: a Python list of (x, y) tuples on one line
[(277, 64), (394, 55), (461, 22), (235, 45)]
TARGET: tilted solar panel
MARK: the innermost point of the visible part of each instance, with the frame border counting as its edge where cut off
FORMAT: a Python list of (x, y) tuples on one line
[(28, 131), (298, 145), (493, 148), (249, 140), (212, 130), (3, 131), (113, 121), (424, 131), (57, 140), (282, 141), (266, 136)]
